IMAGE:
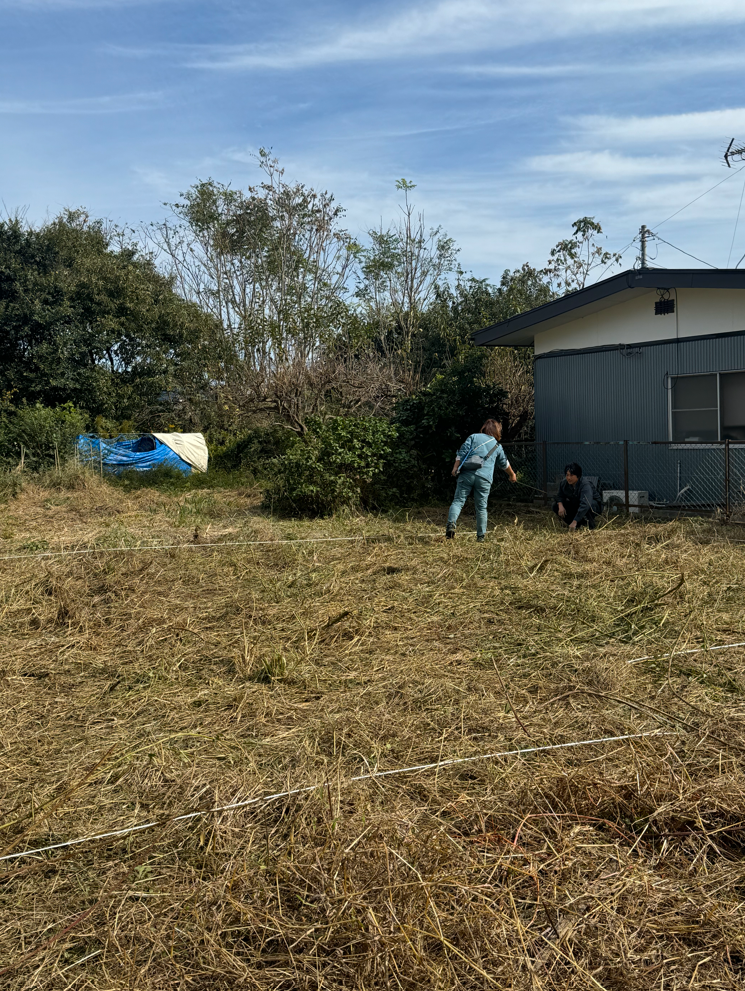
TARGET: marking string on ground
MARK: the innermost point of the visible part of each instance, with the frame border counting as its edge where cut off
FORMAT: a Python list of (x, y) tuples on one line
[(263, 799), (676, 653), (195, 546)]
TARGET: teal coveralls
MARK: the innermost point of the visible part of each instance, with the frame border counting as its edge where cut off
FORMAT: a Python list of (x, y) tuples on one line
[(478, 482)]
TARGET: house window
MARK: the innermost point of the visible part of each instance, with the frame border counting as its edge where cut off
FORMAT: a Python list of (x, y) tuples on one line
[(708, 407), (732, 402)]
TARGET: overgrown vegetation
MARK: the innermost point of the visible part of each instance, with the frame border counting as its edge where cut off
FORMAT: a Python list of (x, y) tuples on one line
[(255, 317), (137, 685), (37, 436), (338, 464)]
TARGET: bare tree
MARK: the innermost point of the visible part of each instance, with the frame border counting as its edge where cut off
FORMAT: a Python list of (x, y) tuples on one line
[(272, 265), (399, 275)]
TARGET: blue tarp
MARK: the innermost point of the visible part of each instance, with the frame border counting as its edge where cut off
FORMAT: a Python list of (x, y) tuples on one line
[(124, 454)]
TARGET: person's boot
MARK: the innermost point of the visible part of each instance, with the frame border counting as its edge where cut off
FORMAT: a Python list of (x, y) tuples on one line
[(450, 531), (480, 538)]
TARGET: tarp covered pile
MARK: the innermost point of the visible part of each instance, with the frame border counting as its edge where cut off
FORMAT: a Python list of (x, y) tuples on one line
[(186, 452)]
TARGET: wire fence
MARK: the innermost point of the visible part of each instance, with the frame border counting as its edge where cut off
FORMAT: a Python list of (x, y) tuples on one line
[(635, 476)]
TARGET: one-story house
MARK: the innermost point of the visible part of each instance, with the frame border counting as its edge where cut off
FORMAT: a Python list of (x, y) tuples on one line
[(648, 355)]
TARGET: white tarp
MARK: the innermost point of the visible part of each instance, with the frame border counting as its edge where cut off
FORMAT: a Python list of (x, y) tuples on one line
[(191, 448)]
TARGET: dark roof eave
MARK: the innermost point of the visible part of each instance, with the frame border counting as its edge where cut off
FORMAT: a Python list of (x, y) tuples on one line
[(643, 279)]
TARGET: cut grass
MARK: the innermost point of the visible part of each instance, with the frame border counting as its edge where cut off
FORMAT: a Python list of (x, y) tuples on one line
[(137, 685)]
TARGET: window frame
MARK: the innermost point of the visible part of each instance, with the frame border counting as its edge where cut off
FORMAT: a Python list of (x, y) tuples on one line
[(670, 411)]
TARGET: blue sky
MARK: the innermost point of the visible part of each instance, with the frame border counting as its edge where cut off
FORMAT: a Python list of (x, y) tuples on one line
[(513, 117)]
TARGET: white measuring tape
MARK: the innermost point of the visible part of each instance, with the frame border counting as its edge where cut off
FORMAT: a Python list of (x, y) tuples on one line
[(192, 547), (126, 831), (677, 653)]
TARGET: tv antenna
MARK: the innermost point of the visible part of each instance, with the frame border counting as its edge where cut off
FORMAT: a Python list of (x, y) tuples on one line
[(734, 153)]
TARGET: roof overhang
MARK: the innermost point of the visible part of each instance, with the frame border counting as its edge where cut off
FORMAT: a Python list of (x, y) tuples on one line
[(521, 329)]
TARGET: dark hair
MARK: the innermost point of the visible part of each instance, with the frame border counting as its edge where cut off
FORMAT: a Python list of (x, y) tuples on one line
[(493, 428), (573, 469)]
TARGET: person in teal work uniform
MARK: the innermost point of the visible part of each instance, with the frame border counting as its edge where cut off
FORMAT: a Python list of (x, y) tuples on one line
[(474, 468)]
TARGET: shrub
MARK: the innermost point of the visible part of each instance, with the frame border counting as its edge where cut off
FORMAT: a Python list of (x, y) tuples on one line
[(42, 434), (253, 450), (335, 465)]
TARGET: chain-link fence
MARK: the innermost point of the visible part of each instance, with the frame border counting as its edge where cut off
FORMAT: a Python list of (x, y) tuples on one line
[(634, 476)]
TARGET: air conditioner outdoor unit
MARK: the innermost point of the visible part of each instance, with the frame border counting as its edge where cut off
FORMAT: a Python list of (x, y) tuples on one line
[(614, 500)]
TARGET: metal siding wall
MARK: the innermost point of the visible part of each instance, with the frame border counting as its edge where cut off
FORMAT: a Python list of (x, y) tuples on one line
[(602, 395)]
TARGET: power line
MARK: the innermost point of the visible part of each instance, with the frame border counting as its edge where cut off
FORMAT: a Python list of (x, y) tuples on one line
[(684, 252), (621, 253), (690, 203), (263, 799)]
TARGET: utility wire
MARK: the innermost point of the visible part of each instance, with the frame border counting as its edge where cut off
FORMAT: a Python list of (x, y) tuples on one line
[(737, 221), (263, 799), (683, 252), (697, 198), (621, 253), (694, 200)]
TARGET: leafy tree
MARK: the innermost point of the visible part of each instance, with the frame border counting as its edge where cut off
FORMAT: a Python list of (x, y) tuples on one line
[(470, 304), (86, 318), (573, 259)]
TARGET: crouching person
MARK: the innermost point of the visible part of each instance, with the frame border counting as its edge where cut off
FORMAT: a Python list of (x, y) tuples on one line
[(474, 469), (576, 502)]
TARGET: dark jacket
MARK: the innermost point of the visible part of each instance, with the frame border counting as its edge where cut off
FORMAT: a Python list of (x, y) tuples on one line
[(581, 495)]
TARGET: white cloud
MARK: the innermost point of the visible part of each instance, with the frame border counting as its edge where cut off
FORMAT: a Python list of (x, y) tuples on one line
[(123, 103), (607, 165), (717, 61), (459, 26), (658, 131)]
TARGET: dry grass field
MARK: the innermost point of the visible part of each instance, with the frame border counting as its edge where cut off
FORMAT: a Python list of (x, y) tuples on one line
[(138, 685)]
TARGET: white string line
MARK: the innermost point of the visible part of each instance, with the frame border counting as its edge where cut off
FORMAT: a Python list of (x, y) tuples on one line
[(676, 653), (263, 799), (186, 547)]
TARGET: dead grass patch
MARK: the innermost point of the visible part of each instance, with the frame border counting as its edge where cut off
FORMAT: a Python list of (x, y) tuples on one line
[(139, 685)]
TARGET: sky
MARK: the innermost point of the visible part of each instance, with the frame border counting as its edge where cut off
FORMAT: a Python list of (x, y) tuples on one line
[(512, 117)]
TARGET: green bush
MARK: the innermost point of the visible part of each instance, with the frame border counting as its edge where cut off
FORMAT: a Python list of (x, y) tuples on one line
[(340, 462), (253, 450), (43, 435)]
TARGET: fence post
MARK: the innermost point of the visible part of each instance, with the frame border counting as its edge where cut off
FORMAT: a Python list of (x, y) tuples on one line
[(626, 475), (726, 481), (544, 472)]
